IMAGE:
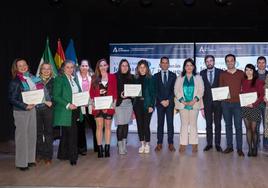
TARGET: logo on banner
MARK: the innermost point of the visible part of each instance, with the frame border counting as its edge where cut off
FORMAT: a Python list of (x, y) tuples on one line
[(202, 49), (115, 50)]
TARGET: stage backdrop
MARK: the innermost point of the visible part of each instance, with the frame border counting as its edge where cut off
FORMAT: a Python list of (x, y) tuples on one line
[(245, 53), (177, 53)]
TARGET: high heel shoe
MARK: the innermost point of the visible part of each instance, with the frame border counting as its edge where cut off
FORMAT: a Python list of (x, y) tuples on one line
[(100, 151), (107, 150)]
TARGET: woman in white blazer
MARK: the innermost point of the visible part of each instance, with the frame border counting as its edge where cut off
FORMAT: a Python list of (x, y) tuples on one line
[(189, 89), (84, 79)]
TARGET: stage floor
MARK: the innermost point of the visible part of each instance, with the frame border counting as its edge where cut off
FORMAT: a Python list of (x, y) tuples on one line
[(163, 169)]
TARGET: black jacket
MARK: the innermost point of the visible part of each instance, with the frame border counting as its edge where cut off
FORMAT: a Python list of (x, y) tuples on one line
[(14, 94)]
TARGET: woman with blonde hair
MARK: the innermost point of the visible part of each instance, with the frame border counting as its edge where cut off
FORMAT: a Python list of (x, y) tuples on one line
[(44, 114)]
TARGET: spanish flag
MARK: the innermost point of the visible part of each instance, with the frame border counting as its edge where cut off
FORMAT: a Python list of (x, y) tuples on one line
[(59, 56)]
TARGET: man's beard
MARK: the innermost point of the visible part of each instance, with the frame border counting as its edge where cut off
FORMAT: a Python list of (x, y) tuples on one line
[(210, 67)]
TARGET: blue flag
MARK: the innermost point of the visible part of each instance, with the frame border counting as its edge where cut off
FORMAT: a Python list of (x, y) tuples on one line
[(70, 52)]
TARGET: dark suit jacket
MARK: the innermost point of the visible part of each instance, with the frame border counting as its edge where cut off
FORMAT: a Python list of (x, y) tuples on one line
[(164, 92), (207, 97)]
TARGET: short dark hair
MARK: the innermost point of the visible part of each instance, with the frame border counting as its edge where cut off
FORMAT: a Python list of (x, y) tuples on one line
[(164, 57), (261, 58), (230, 55), (209, 56), (184, 65)]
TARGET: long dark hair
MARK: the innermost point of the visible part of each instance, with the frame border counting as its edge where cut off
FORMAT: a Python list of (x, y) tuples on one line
[(96, 78), (119, 72), (188, 60), (255, 74), (146, 64)]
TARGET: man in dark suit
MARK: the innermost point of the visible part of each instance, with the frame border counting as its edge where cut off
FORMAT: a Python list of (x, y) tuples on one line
[(262, 73), (165, 81), (212, 109)]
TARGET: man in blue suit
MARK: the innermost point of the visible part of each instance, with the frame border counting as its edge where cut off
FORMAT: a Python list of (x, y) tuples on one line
[(212, 109), (165, 81)]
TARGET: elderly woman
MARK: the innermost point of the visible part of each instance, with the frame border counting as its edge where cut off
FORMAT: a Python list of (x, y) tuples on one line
[(66, 114), (189, 89)]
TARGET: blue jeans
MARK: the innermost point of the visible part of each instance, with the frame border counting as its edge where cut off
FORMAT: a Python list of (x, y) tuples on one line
[(232, 111)]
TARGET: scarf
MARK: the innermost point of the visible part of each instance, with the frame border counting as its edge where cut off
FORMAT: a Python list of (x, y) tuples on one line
[(37, 81)]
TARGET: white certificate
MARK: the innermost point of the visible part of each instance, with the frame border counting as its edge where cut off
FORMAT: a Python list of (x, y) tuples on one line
[(104, 102), (248, 98), (80, 99), (220, 93), (266, 94), (132, 90), (33, 97)]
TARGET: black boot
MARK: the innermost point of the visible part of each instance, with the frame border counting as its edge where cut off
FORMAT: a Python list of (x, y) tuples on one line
[(249, 150), (107, 150), (255, 151), (100, 151)]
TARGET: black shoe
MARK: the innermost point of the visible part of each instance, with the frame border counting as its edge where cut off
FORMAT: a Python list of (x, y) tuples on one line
[(107, 150), (82, 153), (218, 148), (254, 152), (100, 151), (73, 163), (208, 147), (31, 164), (23, 168), (249, 154), (240, 153), (228, 150)]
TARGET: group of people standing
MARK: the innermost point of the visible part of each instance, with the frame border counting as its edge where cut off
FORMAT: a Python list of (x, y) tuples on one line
[(188, 93)]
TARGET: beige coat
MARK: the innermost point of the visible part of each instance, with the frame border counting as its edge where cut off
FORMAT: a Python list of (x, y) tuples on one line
[(198, 92)]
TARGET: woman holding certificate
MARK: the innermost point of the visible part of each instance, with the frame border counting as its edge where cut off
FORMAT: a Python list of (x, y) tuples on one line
[(124, 108), (66, 113), (252, 112), (189, 89), (103, 92), (24, 113), (44, 114), (84, 76), (144, 105)]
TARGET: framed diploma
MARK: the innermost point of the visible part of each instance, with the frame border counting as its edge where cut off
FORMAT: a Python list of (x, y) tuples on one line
[(104, 102), (33, 97), (248, 98), (81, 99), (220, 93), (132, 90)]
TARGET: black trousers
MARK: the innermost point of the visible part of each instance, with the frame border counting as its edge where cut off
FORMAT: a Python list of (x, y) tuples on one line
[(68, 141), (213, 113), (143, 119), (89, 120), (44, 144), (161, 112)]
